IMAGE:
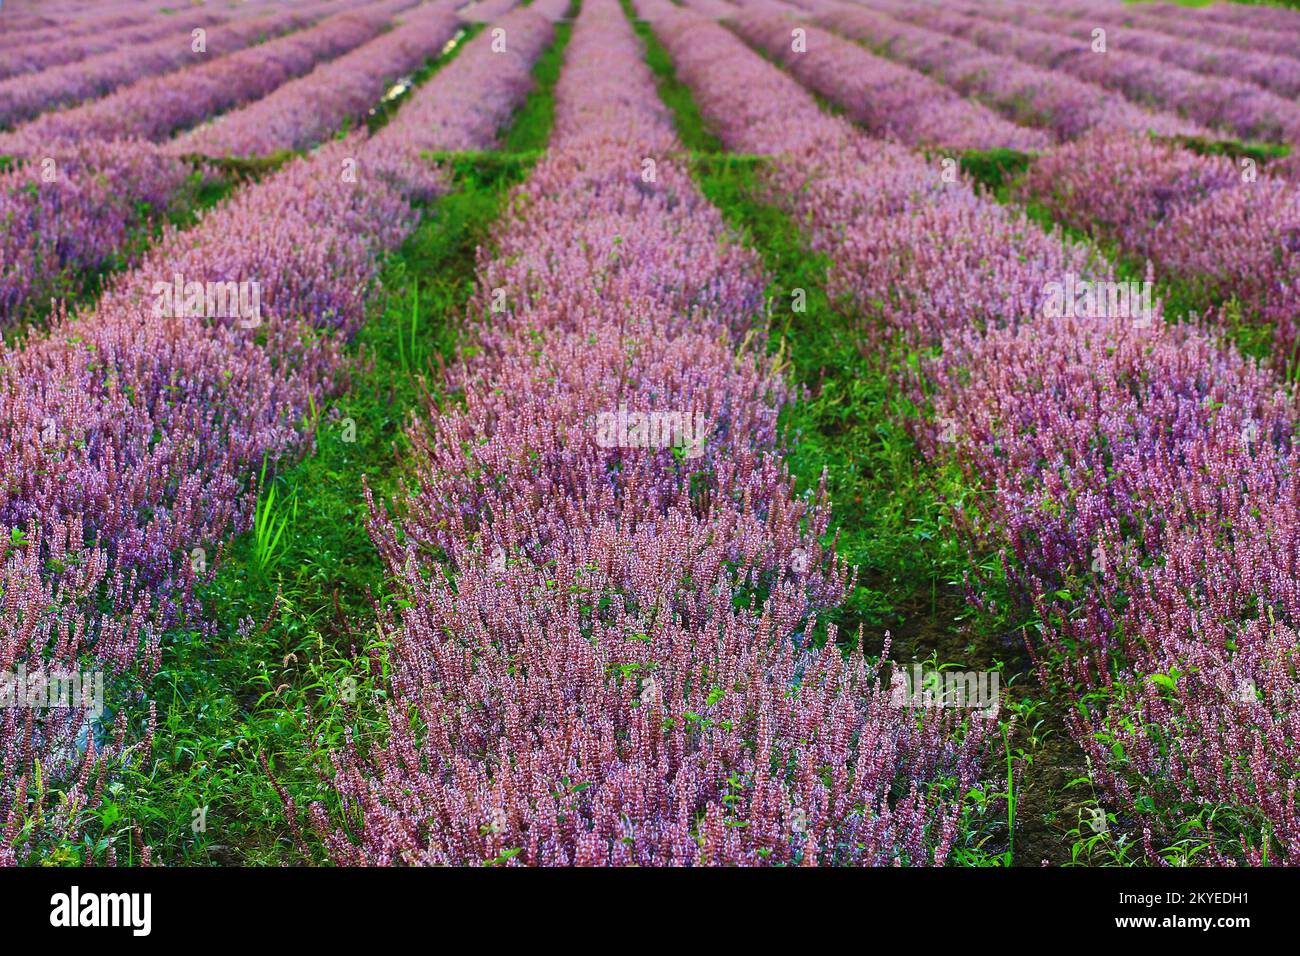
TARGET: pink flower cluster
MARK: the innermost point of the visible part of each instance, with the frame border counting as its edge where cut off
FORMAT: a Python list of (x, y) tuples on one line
[(25, 96), (888, 99), (306, 111), (1241, 108), (1140, 478), (609, 648), (158, 107)]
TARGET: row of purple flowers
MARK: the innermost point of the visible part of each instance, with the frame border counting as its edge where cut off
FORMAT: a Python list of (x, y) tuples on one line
[(160, 106), (306, 111), (1058, 102), (1273, 71)]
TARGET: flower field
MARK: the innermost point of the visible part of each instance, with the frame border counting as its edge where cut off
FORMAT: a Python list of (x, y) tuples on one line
[(649, 433)]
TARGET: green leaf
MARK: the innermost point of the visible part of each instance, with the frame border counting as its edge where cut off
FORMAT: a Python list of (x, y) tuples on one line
[(1165, 681)]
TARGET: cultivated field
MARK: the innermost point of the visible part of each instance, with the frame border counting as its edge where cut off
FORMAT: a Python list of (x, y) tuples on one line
[(633, 432)]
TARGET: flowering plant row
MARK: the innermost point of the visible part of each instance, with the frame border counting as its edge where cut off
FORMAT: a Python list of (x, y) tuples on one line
[(94, 36), (71, 206), (1201, 26), (25, 28), (1267, 18), (1163, 204), (304, 112), (1273, 71), (888, 99), (72, 213)]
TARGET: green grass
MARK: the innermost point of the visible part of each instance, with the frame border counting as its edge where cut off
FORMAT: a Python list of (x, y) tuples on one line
[(270, 518), (486, 166), (991, 168), (241, 169), (291, 656), (1234, 148), (531, 127)]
